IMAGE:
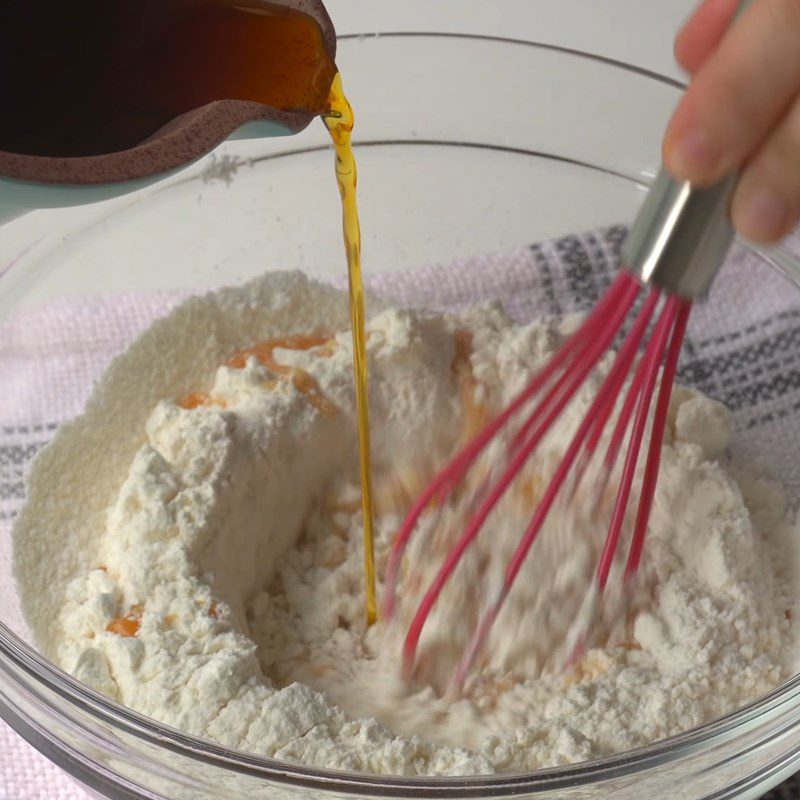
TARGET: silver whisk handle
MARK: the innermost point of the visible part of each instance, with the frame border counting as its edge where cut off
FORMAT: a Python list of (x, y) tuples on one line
[(681, 235)]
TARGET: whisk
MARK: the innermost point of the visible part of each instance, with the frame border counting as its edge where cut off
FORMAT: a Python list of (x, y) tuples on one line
[(671, 255)]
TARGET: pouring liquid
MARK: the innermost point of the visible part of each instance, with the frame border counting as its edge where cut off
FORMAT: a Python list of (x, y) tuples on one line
[(339, 121)]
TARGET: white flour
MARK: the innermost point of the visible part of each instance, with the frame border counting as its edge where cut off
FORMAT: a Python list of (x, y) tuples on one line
[(224, 540)]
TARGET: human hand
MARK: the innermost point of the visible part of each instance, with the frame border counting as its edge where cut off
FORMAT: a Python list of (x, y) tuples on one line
[(742, 110)]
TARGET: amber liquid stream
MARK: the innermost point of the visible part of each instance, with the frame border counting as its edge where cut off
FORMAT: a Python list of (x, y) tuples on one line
[(339, 121)]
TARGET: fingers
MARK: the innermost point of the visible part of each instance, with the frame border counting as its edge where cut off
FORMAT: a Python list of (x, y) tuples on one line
[(766, 204), (739, 93), (702, 32)]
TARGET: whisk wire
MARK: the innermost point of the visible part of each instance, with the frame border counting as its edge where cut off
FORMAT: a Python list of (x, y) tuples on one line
[(674, 318), (641, 390), (657, 437), (584, 350), (553, 388), (444, 482), (610, 391), (614, 378), (577, 372)]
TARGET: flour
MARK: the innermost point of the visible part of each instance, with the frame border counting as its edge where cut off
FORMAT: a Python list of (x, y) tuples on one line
[(225, 538)]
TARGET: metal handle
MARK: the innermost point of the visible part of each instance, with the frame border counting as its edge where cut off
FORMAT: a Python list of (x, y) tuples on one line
[(681, 234)]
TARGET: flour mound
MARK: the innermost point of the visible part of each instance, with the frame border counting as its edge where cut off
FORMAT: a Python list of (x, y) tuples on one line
[(204, 558)]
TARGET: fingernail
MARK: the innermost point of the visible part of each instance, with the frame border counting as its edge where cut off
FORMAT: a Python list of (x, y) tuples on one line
[(763, 215), (694, 154)]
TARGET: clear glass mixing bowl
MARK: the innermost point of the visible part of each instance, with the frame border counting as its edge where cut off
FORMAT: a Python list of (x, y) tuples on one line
[(465, 145)]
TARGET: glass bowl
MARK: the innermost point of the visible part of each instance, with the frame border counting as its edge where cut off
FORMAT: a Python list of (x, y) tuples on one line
[(466, 145)]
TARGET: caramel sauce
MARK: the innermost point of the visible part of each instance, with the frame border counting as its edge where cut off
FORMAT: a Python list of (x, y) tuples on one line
[(129, 624), (301, 380), (339, 120), (197, 399), (476, 414), (264, 352), (527, 490)]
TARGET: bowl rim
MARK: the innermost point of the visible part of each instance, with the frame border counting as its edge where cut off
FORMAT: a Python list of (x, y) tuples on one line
[(625, 764), (17, 655)]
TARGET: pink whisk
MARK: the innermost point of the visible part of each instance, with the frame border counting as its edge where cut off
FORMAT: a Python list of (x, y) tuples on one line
[(671, 256)]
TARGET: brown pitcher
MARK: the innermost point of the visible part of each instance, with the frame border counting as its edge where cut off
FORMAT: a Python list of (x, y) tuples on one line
[(101, 98)]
